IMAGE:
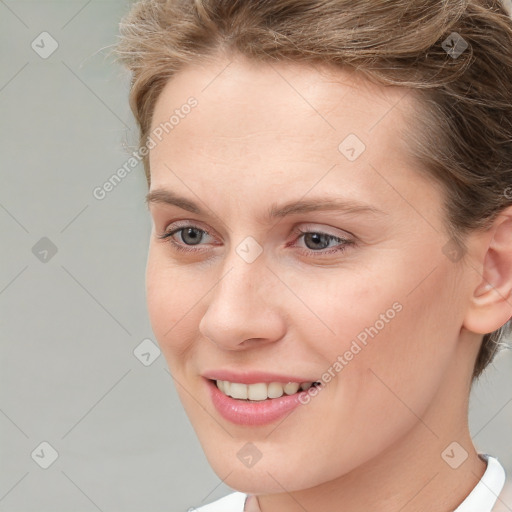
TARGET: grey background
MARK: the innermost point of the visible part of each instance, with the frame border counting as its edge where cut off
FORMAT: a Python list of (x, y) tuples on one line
[(71, 321)]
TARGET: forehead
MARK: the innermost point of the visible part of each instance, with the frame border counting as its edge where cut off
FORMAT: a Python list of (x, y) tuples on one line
[(284, 122), (264, 89)]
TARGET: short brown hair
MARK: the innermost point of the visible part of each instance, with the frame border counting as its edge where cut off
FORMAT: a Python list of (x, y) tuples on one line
[(455, 54)]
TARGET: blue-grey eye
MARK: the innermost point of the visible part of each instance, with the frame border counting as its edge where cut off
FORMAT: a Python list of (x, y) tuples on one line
[(318, 240), (191, 236)]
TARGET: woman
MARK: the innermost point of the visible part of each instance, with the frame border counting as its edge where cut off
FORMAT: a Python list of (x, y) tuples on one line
[(330, 267)]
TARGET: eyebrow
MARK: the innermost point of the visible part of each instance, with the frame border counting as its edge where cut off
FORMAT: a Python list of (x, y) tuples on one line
[(164, 196)]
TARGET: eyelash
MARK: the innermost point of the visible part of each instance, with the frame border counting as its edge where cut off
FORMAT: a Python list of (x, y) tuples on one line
[(167, 237)]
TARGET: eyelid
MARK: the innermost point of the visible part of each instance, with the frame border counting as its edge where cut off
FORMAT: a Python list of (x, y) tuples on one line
[(343, 242), (192, 223), (168, 233), (300, 228), (322, 228)]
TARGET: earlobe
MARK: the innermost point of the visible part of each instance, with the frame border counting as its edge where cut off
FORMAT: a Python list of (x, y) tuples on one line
[(491, 302)]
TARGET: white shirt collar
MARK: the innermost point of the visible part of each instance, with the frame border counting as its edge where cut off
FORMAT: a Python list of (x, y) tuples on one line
[(484, 495)]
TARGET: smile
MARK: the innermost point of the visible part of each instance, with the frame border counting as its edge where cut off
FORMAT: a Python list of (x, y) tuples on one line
[(262, 390), (257, 403)]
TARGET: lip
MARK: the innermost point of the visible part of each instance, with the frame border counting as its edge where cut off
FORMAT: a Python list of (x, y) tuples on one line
[(254, 413), (253, 377)]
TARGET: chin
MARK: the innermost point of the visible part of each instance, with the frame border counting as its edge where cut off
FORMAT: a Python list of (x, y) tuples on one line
[(270, 474), (265, 480)]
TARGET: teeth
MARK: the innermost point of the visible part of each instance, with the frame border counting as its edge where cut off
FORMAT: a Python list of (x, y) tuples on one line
[(260, 391), (291, 387), (257, 391), (237, 390), (275, 390)]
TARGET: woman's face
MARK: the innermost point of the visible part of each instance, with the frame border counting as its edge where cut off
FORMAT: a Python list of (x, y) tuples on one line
[(316, 251)]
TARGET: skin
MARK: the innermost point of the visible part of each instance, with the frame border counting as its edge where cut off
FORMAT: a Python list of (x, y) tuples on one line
[(265, 134)]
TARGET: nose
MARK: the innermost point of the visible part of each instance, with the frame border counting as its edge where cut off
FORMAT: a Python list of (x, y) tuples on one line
[(244, 308)]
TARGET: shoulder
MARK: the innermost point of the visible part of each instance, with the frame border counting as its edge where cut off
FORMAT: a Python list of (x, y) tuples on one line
[(231, 503)]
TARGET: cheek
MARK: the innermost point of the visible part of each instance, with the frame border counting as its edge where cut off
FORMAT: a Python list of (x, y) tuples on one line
[(395, 332), (172, 298), (405, 364)]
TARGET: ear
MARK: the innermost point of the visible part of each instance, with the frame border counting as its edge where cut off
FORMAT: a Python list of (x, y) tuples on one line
[(491, 303)]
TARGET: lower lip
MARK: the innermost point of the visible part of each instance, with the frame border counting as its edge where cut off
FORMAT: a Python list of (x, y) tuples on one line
[(252, 412)]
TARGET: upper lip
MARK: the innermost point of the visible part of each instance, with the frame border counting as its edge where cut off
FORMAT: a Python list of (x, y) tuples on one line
[(252, 377)]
